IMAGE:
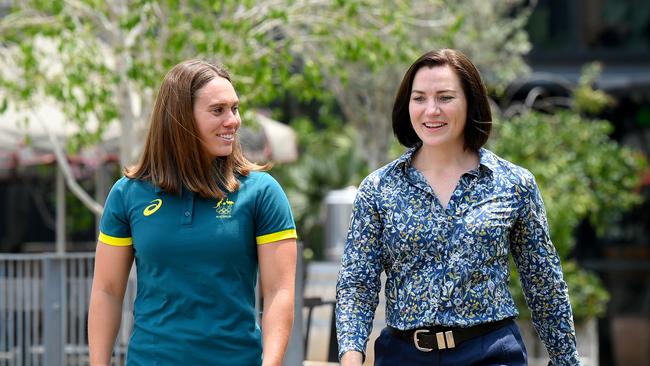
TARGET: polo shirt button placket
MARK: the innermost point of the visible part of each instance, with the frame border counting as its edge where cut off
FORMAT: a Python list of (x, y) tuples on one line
[(188, 207), (187, 217)]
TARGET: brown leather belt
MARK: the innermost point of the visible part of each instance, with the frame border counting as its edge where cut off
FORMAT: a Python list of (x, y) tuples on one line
[(439, 338)]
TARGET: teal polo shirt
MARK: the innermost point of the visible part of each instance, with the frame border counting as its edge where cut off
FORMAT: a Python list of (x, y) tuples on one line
[(196, 263)]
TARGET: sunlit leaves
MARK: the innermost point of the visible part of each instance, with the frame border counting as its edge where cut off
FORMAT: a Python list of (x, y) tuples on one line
[(588, 99)]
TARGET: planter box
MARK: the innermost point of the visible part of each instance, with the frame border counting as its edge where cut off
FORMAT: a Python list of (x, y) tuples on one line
[(587, 338)]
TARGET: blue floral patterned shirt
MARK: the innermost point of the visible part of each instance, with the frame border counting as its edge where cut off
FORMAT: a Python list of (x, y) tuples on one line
[(449, 266)]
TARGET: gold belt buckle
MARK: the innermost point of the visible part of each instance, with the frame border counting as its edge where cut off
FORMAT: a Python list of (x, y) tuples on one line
[(445, 340)]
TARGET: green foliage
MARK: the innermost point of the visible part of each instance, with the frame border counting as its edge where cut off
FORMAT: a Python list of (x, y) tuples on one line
[(582, 174), (577, 166), (79, 219), (100, 62), (330, 159), (588, 296), (588, 100)]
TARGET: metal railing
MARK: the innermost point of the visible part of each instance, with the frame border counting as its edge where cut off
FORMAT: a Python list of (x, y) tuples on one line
[(44, 302), (332, 346)]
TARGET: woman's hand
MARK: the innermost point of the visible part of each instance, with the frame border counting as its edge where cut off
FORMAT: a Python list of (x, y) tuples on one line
[(352, 358)]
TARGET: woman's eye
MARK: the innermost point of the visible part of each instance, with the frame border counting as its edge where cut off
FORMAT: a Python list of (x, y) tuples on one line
[(418, 98), (235, 109), (218, 110), (446, 98)]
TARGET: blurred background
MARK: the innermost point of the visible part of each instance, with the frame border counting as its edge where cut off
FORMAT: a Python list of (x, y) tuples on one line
[(570, 86)]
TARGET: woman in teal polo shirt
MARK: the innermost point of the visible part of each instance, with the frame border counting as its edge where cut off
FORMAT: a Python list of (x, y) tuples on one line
[(199, 220)]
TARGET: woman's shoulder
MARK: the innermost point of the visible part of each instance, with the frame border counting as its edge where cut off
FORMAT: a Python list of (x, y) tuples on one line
[(257, 176), (387, 174), (506, 169), (124, 185), (258, 179)]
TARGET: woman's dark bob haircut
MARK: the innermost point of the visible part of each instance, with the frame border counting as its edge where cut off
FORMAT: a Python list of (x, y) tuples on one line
[(479, 118)]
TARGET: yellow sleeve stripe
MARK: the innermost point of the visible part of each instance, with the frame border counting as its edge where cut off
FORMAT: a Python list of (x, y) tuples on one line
[(280, 235), (118, 242)]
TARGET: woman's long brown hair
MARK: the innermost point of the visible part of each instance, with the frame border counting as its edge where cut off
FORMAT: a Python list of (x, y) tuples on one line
[(173, 155)]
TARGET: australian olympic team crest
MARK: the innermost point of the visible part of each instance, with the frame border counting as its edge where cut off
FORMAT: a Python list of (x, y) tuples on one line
[(224, 208)]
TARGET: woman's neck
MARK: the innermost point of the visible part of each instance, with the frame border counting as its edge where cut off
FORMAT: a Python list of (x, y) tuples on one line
[(443, 159)]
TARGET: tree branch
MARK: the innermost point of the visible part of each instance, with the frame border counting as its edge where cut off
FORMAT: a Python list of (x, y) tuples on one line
[(21, 20), (70, 181), (86, 11)]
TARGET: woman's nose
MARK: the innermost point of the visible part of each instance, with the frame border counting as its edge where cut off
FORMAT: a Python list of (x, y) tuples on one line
[(433, 108), (232, 119)]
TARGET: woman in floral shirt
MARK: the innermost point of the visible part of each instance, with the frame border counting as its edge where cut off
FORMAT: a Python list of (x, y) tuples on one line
[(441, 222)]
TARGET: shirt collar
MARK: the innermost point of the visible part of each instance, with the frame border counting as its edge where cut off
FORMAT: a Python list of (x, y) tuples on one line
[(406, 160), (487, 159)]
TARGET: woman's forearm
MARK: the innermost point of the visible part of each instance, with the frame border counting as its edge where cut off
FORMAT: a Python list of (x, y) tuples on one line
[(277, 321), (104, 317)]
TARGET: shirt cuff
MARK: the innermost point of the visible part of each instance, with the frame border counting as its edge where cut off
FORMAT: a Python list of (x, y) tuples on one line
[(351, 342), (115, 241), (273, 237), (571, 359)]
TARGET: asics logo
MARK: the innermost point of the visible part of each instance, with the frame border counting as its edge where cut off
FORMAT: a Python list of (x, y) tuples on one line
[(153, 207)]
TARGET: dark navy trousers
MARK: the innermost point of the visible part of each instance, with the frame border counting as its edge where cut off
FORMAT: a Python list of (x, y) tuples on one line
[(502, 346)]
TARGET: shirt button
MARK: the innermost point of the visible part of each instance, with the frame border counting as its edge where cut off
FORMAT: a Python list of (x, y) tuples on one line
[(187, 213)]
